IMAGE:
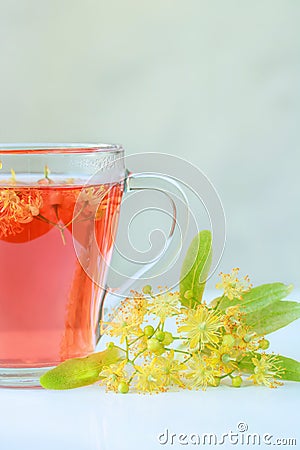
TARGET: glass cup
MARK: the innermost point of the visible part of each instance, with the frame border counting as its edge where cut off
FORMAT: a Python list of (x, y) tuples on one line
[(59, 210)]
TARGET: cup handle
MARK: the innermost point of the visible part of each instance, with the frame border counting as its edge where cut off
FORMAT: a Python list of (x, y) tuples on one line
[(140, 182)]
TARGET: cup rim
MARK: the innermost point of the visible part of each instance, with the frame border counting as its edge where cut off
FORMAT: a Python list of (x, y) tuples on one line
[(59, 147)]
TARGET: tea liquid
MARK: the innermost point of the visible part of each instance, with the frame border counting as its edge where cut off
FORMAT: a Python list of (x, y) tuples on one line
[(48, 304)]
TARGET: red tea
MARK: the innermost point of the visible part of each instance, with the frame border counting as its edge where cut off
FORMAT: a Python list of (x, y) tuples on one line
[(48, 304)]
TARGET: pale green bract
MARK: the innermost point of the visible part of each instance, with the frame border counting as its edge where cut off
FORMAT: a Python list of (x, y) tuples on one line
[(195, 268), (78, 372)]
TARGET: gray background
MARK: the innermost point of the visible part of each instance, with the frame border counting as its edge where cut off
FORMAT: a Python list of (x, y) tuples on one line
[(215, 82)]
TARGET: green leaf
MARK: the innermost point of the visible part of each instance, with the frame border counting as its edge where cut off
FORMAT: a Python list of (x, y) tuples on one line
[(291, 366), (273, 317), (259, 297), (195, 268), (78, 372)]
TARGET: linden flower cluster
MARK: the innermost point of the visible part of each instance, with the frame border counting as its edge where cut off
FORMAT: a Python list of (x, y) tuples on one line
[(206, 347)]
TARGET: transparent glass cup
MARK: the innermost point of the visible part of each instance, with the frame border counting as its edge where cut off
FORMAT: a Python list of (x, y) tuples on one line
[(59, 210)]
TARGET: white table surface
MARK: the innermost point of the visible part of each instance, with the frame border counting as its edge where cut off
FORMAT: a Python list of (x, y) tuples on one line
[(91, 419)]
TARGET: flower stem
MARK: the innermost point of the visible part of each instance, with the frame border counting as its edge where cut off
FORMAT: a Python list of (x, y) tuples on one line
[(132, 376), (226, 375), (178, 351), (76, 215), (135, 340), (136, 356), (219, 302), (127, 348), (44, 219), (61, 229), (120, 348)]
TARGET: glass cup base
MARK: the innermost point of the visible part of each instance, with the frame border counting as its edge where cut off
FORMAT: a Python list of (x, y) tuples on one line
[(22, 378)]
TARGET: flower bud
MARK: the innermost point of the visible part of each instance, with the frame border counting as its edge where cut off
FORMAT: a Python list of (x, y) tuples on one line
[(264, 344), (147, 289), (155, 346), (149, 330), (123, 387), (168, 338), (110, 345), (160, 335), (237, 381)]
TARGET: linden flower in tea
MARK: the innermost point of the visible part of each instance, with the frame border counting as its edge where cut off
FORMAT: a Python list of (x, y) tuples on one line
[(92, 196), (18, 207)]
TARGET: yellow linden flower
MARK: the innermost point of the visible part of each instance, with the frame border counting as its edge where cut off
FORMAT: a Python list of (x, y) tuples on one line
[(232, 286), (201, 326), (150, 378), (266, 370), (246, 339), (233, 318), (113, 375), (170, 369), (139, 303), (127, 321), (223, 358), (201, 373), (164, 305), (124, 326)]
